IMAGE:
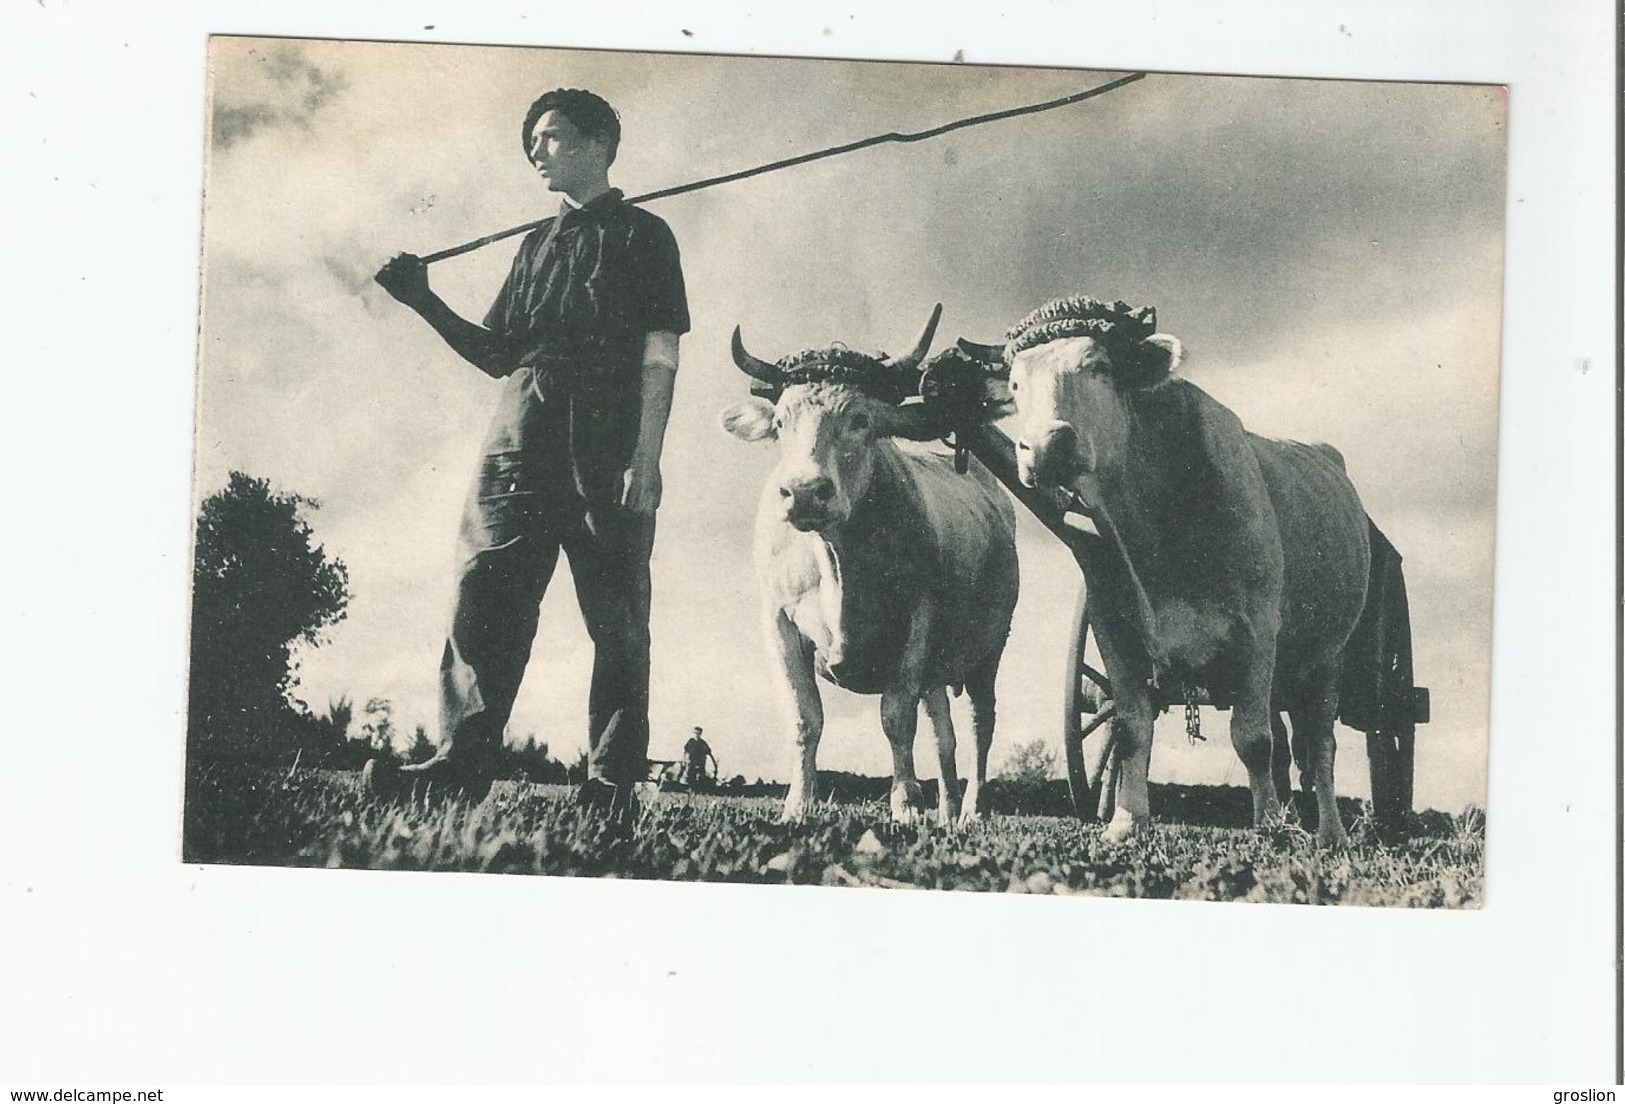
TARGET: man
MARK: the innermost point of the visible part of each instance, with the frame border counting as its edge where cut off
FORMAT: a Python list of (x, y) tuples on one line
[(584, 333), (695, 753)]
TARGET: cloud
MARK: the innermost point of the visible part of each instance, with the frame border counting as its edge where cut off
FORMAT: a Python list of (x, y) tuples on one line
[(278, 87)]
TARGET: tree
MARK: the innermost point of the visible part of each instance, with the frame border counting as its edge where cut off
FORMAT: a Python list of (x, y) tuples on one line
[(531, 760), (340, 712), (1031, 763), (378, 724), (261, 585)]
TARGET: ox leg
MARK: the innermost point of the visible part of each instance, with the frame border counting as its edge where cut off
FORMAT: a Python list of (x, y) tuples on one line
[(942, 724), (900, 717), (798, 696), (1132, 727), (1253, 738), (1303, 753), (1316, 720), (1252, 734), (1280, 756), (1132, 730), (979, 688)]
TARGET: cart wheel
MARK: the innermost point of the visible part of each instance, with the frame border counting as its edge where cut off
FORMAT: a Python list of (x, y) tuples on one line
[(1087, 732), (1391, 749), (1392, 752)]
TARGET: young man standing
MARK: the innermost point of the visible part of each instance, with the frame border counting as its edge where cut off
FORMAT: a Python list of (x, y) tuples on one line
[(695, 752), (584, 333)]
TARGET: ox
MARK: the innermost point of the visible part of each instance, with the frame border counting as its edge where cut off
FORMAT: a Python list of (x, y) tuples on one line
[(883, 571), (1240, 562)]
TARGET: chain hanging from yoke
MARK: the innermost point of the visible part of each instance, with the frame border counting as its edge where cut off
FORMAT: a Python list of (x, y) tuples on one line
[(1193, 716)]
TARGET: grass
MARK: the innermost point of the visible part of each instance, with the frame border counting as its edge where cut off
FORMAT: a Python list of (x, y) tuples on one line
[(317, 818)]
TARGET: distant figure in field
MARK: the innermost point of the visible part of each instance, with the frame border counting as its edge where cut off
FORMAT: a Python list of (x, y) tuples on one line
[(695, 753)]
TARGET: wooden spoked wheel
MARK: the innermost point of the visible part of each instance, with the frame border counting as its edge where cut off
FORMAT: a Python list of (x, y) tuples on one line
[(1088, 734), (1401, 705), (1392, 747)]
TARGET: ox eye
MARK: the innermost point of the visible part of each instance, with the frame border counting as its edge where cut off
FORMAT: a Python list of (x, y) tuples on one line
[(860, 422)]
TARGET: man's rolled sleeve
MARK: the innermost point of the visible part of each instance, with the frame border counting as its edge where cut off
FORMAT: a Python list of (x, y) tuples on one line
[(660, 350), (662, 302)]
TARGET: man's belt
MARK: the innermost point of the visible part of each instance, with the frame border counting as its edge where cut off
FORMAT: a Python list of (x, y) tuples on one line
[(561, 373), (593, 359)]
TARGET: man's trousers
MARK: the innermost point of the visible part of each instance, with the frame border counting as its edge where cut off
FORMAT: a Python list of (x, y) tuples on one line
[(515, 523)]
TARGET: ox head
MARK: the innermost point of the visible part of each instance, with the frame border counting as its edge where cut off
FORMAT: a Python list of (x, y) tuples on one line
[(827, 408), (1072, 365)]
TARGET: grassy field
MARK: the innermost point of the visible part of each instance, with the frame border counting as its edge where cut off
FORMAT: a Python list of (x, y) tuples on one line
[(318, 818)]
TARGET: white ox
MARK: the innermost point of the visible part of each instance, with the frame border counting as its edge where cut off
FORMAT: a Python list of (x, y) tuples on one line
[(1242, 561), (882, 569)]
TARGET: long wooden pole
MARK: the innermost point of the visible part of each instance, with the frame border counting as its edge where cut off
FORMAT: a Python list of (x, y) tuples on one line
[(817, 155)]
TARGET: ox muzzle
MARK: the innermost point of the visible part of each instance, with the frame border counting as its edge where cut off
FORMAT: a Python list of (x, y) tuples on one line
[(809, 501), (1050, 456)]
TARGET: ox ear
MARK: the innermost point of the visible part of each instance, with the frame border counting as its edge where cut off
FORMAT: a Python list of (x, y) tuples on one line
[(751, 420), (1158, 356)]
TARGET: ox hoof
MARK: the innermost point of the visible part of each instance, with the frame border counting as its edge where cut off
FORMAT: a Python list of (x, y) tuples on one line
[(905, 814), (1124, 826), (969, 817), (796, 810), (906, 802)]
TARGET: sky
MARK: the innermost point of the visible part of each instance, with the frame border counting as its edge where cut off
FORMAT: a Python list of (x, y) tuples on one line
[(1329, 253)]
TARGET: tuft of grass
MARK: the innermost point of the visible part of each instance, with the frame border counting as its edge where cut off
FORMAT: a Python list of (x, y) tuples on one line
[(320, 818)]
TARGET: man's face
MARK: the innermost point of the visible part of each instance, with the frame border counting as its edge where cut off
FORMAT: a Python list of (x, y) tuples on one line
[(567, 159)]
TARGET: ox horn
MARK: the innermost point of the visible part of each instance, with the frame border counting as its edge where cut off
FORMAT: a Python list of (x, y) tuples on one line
[(990, 355), (751, 366), (910, 361)]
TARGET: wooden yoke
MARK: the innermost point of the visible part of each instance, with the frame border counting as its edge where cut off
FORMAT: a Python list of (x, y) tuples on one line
[(953, 388)]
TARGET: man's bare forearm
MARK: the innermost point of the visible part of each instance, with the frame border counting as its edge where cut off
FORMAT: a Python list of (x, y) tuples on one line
[(406, 278), (658, 385), (475, 344), (659, 382), (642, 488)]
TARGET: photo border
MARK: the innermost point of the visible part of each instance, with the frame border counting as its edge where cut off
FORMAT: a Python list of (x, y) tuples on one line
[(1204, 976)]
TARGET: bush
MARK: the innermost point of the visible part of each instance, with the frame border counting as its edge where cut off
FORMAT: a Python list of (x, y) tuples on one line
[(1031, 764)]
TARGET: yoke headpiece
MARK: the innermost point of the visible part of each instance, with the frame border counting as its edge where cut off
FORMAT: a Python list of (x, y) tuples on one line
[(877, 375), (1116, 324), (1121, 328)]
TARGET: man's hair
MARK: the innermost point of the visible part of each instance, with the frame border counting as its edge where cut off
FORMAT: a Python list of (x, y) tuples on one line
[(588, 113)]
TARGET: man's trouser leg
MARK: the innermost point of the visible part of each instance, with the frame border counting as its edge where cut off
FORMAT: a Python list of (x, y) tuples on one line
[(508, 547), (609, 560)]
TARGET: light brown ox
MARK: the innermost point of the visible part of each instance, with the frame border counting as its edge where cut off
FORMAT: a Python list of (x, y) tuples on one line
[(1247, 557), (882, 570)]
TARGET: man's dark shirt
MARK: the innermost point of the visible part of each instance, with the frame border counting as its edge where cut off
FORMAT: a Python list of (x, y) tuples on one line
[(573, 315), (696, 751)]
